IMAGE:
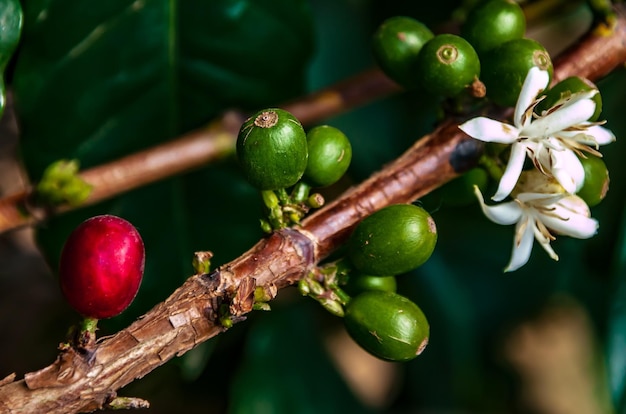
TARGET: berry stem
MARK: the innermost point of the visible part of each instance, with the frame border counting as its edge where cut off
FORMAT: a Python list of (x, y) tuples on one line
[(87, 334), (300, 192)]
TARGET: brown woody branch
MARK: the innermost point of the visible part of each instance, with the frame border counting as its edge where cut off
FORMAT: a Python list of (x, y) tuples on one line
[(85, 380)]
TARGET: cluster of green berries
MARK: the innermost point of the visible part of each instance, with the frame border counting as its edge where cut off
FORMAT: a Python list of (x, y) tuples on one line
[(490, 55), (361, 287), (284, 162), (489, 58), (391, 241)]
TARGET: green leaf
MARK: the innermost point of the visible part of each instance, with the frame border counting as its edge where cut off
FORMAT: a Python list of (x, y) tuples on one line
[(285, 369), (616, 345), (96, 81)]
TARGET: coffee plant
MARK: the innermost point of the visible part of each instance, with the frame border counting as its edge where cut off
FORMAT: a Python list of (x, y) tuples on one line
[(312, 206)]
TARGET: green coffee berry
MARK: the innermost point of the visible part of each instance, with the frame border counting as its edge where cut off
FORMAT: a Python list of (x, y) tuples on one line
[(596, 183), (358, 283), (272, 149), (566, 88), (396, 44), (330, 154), (492, 23), (504, 68), (393, 240), (387, 325), (446, 65)]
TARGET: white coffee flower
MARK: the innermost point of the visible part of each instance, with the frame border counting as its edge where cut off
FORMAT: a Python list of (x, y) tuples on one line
[(550, 140), (541, 209)]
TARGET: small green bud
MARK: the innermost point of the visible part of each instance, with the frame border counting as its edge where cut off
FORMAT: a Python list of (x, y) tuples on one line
[(202, 262), (61, 184), (333, 307), (316, 200)]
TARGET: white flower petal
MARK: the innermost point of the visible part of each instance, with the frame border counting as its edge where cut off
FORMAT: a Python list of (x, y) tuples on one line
[(568, 170), (523, 244), (560, 119), (512, 172), (575, 205), (505, 213), (602, 135), (578, 226), (535, 82), (593, 135), (545, 243), (489, 130), (579, 96), (541, 198)]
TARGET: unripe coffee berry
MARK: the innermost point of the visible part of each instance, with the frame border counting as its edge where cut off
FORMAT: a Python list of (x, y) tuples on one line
[(358, 283), (272, 149), (330, 154), (492, 23), (101, 266), (393, 240), (446, 65), (387, 325), (505, 67), (396, 45), (596, 183), (564, 89)]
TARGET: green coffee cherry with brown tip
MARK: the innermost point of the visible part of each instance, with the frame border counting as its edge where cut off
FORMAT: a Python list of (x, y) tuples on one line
[(272, 149), (393, 240), (387, 325), (505, 67), (446, 65)]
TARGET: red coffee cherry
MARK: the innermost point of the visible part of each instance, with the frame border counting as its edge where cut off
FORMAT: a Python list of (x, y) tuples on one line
[(101, 266)]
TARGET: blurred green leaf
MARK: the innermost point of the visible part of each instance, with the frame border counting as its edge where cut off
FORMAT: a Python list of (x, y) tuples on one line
[(285, 369), (615, 342), (96, 81), (609, 249)]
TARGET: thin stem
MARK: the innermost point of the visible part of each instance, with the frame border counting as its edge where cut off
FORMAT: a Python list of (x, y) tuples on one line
[(194, 149)]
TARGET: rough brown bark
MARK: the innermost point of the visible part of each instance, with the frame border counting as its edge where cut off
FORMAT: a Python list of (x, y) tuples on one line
[(85, 380)]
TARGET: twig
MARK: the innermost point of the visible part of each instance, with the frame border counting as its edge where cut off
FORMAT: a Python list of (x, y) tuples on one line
[(79, 382), (193, 150)]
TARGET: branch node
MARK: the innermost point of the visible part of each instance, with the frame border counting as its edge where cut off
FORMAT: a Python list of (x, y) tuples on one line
[(126, 403)]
